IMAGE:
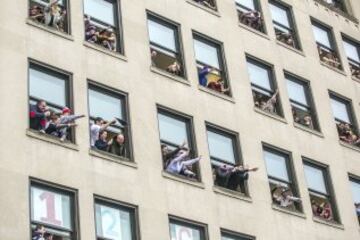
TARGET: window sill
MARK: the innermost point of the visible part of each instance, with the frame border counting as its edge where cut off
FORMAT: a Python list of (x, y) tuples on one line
[(287, 211), (333, 68), (273, 116), (49, 29), (233, 194), (290, 48), (209, 10), (214, 93), (169, 75), (356, 79), (261, 34), (112, 158), (179, 178), (309, 130), (104, 50), (349, 146), (337, 11), (329, 223), (50, 139)]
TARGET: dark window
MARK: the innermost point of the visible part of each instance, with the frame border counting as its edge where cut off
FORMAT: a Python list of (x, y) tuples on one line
[(211, 65), (52, 212), (165, 45), (302, 106), (225, 235), (56, 15), (326, 45), (352, 50), (321, 196), (114, 220), (281, 179), (284, 25), (355, 189), (111, 106), (263, 86), (102, 24), (207, 3), (176, 137), (186, 230), (250, 14), (345, 120)]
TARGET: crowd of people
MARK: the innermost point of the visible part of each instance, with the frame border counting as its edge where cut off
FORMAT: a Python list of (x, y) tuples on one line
[(104, 37), (355, 71), (347, 134), (52, 14), (173, 68), (206, 3), (285, 37), (283, 196), (217, 85), (252, 19), (265, 103), (329, 57), (303, 119), (322, 210), (40, 233), (357, 209)]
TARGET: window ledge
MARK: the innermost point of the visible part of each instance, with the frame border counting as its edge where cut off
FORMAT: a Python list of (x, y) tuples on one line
[(209, 10), (355, 79), (338, 11), (290, 48), (287, 211), (49, 29), (273, 116), (113, 158), (233, 194), (261, 34), (329, 223), (50, 139), (169, 75), (214, 93), (333, 68), (104, 50), (179, 178), (309, 130), (349, 146)]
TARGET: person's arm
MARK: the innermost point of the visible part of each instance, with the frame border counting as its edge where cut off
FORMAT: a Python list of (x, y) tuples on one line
[(106, 125), (74, 117), (180, 157), (191, 161), (272, 100)]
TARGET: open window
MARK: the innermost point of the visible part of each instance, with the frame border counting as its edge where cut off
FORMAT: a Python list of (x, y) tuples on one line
[(211, 4), (184, 229), (249, 14), (326, 45), (211, 64), (53, 212), (355, 189), (334, 4), (282, 180), (320, 190), (284, 25), (165, 45), (264, 89), (352, 50), (102, 24), (302, 106), (229, 235), (51, 13)]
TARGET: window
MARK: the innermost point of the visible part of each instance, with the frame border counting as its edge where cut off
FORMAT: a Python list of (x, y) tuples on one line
[(355, 189), (263, 86), (114, 220), (281, 179), (284, 24), (344, 119), (165, 45), (302, 106), (102, 24), (352, 50), (321, 196), (207, 3), (186, 230), (176, 138), (210, 64), (249, 13), (224, 155), (227, 235), (108, 113), (58, 18), (53, 211), (335, 4), (326, 45)]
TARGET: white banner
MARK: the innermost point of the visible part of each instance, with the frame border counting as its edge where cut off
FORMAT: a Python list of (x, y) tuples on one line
[(110, 223)]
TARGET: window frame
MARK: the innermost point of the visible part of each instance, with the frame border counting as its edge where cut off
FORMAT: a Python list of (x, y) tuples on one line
[(355, 43), (124, 97), (61, 189), (215, 8), (201, 227), (258, 8), (354, 179), (236, 235)]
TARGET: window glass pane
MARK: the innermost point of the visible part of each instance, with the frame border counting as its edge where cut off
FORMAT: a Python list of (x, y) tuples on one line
[(297, 92), (247, 3), (105, 106), (276, 166), (101, 10), (112, 223), (206, 53), (50, 208), (259, 75), (321, 36), (47, 87), (351, 51), (315, 179), (221, 147), (232, 238), (355, 187), (340, 110), (172, 130), (279, 15), (162, 35), (179, 232)]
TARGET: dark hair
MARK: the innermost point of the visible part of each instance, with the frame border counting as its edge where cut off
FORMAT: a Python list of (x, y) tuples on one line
[(101, 132), (98, 119), (40, 101)]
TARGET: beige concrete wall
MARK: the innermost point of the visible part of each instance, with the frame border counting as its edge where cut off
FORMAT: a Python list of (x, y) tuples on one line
[(22, 156)]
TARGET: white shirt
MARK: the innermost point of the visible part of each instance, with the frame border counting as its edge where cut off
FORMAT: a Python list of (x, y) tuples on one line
[(94, 134)]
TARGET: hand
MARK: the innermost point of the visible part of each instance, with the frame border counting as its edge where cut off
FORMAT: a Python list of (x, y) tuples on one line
[(47, 113), (113, 121), (255, 169), (110, 142)]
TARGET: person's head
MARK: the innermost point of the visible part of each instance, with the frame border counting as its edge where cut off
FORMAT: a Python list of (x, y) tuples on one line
[(153, 53), (120, 138), (41, 104), (40, 229), (99, 121), (48, 236), (357, 205), (54, 117), (103, 135), (66, 111)]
